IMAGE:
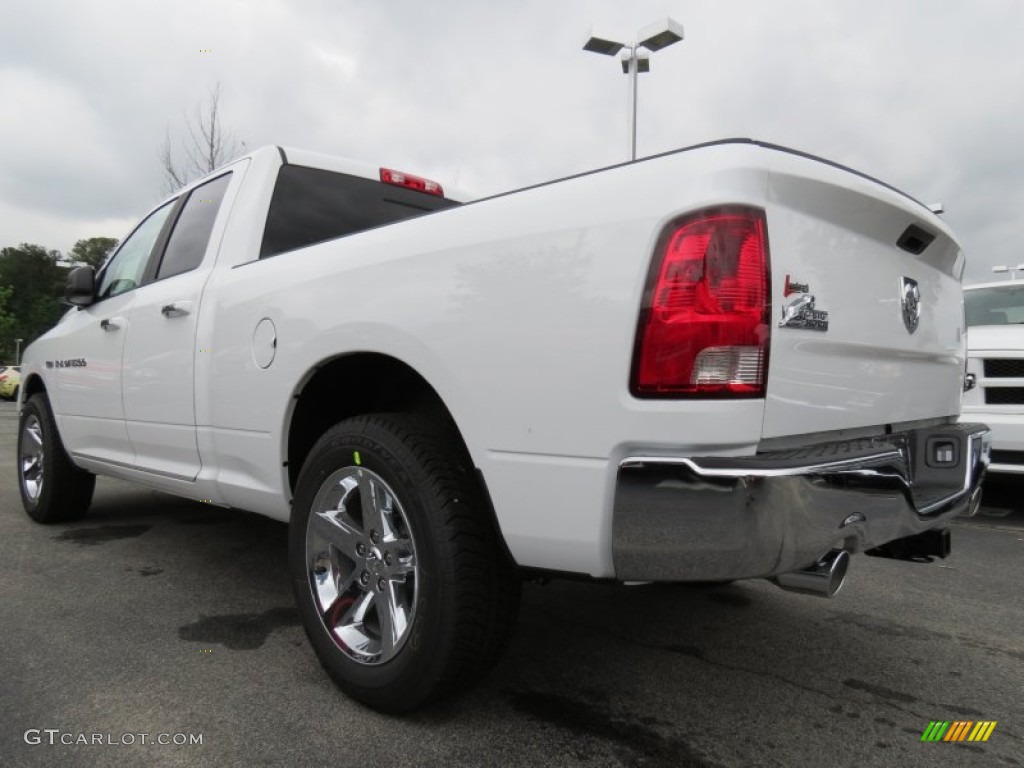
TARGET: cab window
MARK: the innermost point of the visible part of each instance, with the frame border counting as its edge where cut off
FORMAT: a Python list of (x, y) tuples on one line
[(124, 271), (311, 205)]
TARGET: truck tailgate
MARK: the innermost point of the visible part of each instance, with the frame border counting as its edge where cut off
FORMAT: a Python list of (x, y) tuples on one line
[(868, 319)]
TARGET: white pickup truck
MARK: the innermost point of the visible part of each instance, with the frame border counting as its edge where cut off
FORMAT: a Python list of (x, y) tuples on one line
[(995, 363), (730, 361)]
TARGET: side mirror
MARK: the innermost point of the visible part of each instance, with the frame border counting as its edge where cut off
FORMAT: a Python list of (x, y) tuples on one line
[(81, 286)]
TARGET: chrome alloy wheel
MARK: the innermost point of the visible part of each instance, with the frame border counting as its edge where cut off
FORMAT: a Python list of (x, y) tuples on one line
[(361, 562), (31, 457)]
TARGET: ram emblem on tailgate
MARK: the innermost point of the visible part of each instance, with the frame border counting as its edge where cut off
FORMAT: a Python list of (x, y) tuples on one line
[(910, 299)]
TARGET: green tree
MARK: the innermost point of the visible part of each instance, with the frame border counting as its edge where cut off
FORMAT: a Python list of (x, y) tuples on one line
[(37, 285), (92, 251), (7, 334)]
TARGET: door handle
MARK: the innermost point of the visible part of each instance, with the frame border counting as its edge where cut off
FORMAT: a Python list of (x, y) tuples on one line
[(177, 309), (111, 323)]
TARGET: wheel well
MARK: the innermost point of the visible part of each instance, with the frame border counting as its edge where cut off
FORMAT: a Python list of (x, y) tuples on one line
[(369, 383), (352, 385), (32, 385)]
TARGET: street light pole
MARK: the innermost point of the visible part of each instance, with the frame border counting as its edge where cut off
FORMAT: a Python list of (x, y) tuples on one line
[(634, 69), (17, 351), (654, 37)]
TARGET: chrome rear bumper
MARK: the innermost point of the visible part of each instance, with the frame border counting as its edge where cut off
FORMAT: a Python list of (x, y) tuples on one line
[(715, 518)]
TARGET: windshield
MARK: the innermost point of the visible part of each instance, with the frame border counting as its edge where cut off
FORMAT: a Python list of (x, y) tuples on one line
[(999, 305)]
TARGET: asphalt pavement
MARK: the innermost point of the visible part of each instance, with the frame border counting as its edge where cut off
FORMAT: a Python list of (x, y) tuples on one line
[(156, 619)]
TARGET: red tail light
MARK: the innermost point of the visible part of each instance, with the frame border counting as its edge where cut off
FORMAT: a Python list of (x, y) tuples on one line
[(704, 323), (409, 181)]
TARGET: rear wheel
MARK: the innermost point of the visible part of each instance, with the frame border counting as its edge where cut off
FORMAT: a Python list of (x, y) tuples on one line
[(53, 489), (403, 590)]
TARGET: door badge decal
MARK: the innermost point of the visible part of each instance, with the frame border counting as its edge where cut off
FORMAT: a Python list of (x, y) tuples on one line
[(800, 311)]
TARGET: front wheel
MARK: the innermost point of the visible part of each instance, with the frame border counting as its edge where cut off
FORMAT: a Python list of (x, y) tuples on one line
[(53, 489), (403, 590)]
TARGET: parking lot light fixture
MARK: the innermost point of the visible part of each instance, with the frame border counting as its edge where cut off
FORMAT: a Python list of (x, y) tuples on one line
[(1012, 270), (653, 37), (660, 35), (603, 45)]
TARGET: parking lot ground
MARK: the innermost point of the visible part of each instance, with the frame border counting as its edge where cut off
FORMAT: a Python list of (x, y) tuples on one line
[(159, 616)]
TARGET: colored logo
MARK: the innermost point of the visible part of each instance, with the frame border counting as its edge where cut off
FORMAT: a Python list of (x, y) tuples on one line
[(795, 287), (958, 730)]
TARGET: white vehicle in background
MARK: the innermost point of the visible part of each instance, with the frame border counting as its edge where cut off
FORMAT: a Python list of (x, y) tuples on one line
[(995, 348)]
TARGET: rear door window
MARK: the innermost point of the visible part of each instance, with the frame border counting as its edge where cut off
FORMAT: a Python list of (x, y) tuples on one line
[(311, 205), (191, 233)]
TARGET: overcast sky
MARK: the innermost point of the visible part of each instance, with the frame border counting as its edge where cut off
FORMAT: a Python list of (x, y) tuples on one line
[(926, 95)]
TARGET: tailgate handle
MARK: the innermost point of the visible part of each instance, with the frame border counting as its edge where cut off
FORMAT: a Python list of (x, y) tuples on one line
[(914, 240)]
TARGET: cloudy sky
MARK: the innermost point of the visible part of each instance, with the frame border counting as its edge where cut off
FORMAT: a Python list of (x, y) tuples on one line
[(490, 95)]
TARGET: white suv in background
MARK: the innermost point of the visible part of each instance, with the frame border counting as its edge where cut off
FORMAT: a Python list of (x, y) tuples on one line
[(995, 349)]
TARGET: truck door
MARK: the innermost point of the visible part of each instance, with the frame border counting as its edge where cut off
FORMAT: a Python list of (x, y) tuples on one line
[(160, 349), (87, 396)]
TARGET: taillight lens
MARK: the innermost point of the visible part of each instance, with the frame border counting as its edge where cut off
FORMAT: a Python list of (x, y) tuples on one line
[(704, 323)]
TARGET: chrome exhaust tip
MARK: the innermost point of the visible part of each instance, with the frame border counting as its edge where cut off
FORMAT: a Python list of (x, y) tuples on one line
[(825, 578)]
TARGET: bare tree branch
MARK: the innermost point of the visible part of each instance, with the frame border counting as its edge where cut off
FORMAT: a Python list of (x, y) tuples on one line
[(173, 178), (207, 147)]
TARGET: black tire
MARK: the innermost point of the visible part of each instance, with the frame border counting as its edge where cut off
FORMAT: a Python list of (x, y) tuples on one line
[(464, 592), (65, 491)]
